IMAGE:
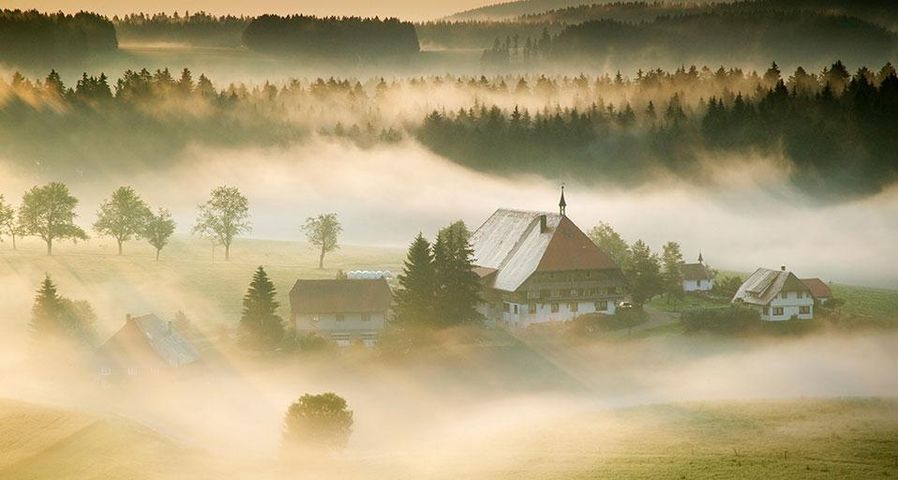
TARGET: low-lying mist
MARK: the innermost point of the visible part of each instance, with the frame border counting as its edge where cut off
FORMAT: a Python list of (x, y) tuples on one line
[(744, 217)]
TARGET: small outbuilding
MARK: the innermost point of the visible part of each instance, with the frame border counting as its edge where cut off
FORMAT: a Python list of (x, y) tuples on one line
[(819, 289), (342, 310), (697, 277)]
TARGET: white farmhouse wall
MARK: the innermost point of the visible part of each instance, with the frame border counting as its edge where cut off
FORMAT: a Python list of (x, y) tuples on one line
[(791, 303), (518, 315), (352, 326), (698, 285)]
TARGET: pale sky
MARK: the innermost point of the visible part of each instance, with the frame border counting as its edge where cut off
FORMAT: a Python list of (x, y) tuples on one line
[(406, 9)]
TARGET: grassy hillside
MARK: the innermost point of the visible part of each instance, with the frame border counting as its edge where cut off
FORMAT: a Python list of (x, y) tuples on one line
[(186, 278), (821, 439), (43, 443)]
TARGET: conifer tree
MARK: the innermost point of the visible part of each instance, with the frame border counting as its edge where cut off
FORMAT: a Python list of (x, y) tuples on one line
[(260, 326), (458, 287), (414, 302), (46, 314)]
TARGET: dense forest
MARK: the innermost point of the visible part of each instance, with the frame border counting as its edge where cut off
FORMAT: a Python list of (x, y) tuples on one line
[(33, 38), (836, 131), (833, 129), (332, 37), (198, 28), (754, 35)]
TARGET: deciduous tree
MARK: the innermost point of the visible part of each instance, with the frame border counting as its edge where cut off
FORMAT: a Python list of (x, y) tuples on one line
[(224, 216), (49, 212), (323, 232), (643, 273), (159, 229), (610, 242), (318, 421), (123, 216), (8, 221), (672, 272)]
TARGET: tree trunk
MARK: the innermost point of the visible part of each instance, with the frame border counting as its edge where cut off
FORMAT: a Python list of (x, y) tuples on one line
[(227, 251), (49, 246), (157, 254), (119, 247), (14, 241), (321, 259)]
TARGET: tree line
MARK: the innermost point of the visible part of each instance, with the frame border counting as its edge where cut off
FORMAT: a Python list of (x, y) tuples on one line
[(48, 212), (29, 37), (331, 37), (835, 129), (752, 32), (196, 28)]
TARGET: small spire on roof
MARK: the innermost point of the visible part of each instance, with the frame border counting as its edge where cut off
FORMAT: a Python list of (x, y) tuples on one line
[(700, 259), (561, 203)]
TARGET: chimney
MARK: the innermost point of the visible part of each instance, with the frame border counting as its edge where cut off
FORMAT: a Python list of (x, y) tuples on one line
[(783, 268), (543, 227)]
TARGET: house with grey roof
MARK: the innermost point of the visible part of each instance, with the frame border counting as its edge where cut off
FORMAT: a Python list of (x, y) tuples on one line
[(342, 310), (777, 295), (146, 345), (697, 277), (539, 267)]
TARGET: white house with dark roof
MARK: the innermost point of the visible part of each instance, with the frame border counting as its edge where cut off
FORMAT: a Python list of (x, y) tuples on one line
[(777, 295), (697, 277), (540, 267), (341, 310)]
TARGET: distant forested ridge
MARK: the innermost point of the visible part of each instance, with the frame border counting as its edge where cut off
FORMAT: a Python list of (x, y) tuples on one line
[(835, 130), (479, 34), (198, 28), (752, 35), (880, 12), (33, 38), (331, 37)]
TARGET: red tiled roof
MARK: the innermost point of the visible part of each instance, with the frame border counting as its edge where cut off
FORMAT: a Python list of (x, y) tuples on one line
[(571, 249), (818, 288)]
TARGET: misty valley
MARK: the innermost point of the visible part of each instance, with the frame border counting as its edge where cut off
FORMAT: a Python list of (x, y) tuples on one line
[(535, 239)]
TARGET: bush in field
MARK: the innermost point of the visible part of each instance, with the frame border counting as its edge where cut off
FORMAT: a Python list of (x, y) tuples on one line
[(318, 421), (726, 320)]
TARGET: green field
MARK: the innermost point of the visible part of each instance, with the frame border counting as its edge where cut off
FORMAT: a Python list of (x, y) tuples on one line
[(817, 439), (186, 278)]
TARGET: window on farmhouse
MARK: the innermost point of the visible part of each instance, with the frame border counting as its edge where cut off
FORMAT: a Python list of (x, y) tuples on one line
[(531, 308), (602, 306), (506, 307), (574, 307), (766, 310), (777, 310), (804, 310), (515, 309), (366, 317), (554, 308), (573, 292), (340, 317)]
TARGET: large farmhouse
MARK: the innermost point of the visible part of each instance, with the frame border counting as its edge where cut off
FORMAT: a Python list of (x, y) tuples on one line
[(697, 277), (776, 295), (539, 267), (342, 310)]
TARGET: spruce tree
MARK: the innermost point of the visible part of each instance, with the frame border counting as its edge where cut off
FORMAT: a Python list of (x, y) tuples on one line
[(46, 314), (458, 287), (260, 326), (414, 302)]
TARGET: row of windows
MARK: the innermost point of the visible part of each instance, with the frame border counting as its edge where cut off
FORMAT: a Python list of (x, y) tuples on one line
[(574, 292), (778, 311), (571, 276), (600, 306), (365, 317)]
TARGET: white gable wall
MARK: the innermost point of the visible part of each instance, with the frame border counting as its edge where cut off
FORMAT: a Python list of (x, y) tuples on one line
[(698, 285)]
